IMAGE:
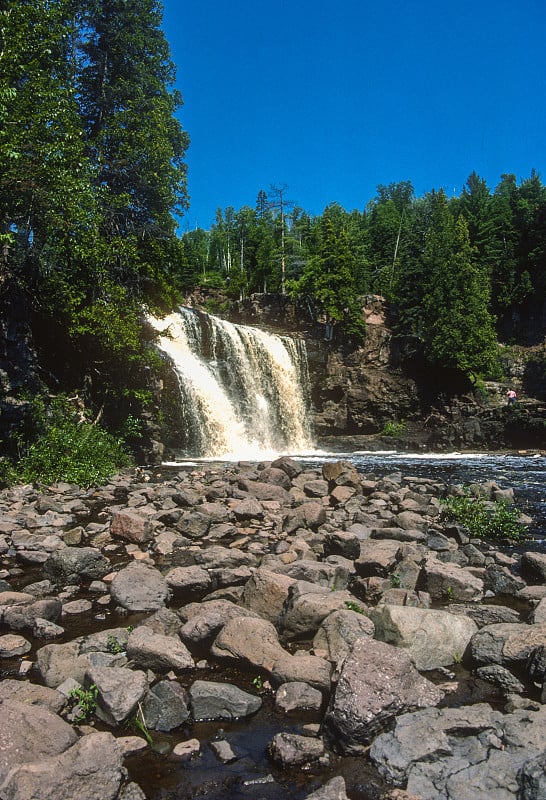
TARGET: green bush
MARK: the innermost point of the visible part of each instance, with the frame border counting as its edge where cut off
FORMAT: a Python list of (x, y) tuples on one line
[(67, 446), (485, 519), (394, 429)]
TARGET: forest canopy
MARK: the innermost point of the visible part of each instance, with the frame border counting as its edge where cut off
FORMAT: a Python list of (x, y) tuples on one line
[(93, 186)]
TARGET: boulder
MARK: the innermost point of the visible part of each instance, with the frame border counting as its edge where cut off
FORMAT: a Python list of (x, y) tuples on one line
[(445, 581), (339, 631), (292, 750), (131, 526), (157, 652), (433, 638), (308, 515), (265, 593), (316, 671), (251, 641), (32, 694), (138, 587), (30, 733), (190, 579), (120, 690), (221, 701), (307, 606), (92, 769), (334, 789), (202, 622), (165, 706), (506, 644), (533, 566), (297, 696), (75, 565), (378, 557), (377, 683)]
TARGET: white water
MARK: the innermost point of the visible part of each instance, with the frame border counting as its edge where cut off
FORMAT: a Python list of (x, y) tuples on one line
[(243, 392)]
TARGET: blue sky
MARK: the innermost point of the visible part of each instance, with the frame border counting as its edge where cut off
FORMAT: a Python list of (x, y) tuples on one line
[(333, 98)]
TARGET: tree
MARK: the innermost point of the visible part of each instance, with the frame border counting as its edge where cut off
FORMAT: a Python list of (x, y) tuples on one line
[(458, 330)]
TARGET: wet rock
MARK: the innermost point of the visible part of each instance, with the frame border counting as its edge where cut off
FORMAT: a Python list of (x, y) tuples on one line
[(377, 683), (297, 696), (221, 701), (533, 566), (22, 739), (288, 465), (292, 750), (341, 473), (92, 769), (333, 790), (157, 652), (138, 587), (186, 749), (22, 617), (433, 638), (506, 644), (74, 565), (500, 677), (223, 751), (165, 706), (120, 690)]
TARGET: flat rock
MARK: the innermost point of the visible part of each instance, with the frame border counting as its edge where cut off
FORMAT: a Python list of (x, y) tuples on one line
[(221, 701), (157, 652), (138, 587)]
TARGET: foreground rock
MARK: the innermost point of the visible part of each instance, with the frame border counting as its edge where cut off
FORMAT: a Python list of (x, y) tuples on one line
[(314, 586)]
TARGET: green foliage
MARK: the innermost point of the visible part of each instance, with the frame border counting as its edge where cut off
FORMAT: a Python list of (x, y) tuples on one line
[(139, 724), (68, 447), (113, 645), (484, 519), (353, 606), (258, 682), (86, 701), (393, 428)]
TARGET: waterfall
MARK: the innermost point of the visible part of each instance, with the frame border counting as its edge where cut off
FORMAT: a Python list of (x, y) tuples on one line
[(244, 393)]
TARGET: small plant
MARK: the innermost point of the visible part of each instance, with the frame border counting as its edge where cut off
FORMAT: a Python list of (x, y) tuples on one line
[(258, 683), (457, 658), (490, 520), (113, 645), (393, 428), (86, 701), (395, 580), (449, 594), (138, 723), (352, 606)]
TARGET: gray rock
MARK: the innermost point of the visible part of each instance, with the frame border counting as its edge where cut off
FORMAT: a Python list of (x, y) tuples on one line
[(20, 617), (120, 690), (92, 769), (342, 543), (221, 701), (500, 581), (223, 751), (333, 790), (378, 557), (165, 706), (483, 614), (297, 696), (249, 508), (433, 638), (377, 683), (138, 587), (533, 566), (307, 606), (308, 515), (500, 677), (291, 750), (506, 644), (322, 573), (74, 565), (532, 778), (194, 579), (157, 652), (194, 524), (58, 662), (12, 646)]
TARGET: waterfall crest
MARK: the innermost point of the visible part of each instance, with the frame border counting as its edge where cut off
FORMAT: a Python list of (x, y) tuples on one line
[(244, 393)]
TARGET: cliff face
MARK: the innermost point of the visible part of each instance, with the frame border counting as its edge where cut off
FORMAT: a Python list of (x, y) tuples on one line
[(381, 394)]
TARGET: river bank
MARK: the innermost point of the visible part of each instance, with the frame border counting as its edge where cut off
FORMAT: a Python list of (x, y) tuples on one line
[(257, 619)]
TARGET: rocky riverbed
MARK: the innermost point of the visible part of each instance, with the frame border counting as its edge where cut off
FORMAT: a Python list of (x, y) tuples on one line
[(400, 643)]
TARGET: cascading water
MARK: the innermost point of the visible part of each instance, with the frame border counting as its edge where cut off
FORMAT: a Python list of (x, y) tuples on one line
[(243, 392)]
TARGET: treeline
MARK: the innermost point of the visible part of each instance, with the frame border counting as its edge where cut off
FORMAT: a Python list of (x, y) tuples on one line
[(92, 176), (460, 271)]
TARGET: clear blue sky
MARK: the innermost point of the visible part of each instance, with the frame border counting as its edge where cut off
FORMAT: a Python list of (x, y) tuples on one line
[(333, 98)]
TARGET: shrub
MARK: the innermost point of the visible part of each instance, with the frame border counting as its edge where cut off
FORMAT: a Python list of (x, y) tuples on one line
[(485, 519), (392, 428)]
